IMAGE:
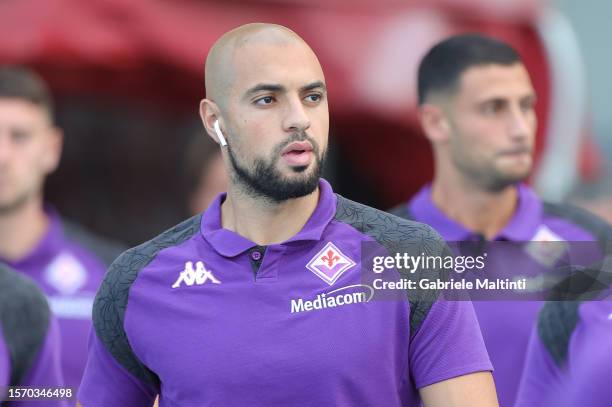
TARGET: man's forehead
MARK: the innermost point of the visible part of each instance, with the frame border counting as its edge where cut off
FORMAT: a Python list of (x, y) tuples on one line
[(252, 34), (495, 78), (21, 109), (258, 52), (274, 63)]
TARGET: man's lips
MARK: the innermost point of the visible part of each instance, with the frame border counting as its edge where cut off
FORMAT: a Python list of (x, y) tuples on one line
[(515, 152), (297, 147), (298, 153)]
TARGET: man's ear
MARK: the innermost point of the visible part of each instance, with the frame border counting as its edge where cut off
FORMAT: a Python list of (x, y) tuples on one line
[(53, 150), (434, 123), (209, 113)]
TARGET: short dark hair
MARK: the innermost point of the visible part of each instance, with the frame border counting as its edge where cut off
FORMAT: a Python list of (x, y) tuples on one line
[(23, 83), (441, 68)]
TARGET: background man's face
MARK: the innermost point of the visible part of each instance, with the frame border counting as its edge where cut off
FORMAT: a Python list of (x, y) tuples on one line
[(277, 99), (493, 125), (29, 150)]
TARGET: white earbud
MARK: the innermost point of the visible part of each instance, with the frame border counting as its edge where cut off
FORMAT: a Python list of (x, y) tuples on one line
[(219, 134)]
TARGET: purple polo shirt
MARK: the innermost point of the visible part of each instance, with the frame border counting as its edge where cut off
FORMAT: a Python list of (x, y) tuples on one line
[(45, 370), (5, 362), (204, 316), (506, 325), (29, 337), (69, 274), (573, 367), (588, 383)]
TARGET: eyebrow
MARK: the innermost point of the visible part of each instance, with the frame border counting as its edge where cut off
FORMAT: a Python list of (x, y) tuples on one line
[(531, 96), (314, 85), (272, 87)]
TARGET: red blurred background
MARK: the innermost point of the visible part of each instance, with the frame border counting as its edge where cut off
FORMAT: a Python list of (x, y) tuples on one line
[(128, 77)]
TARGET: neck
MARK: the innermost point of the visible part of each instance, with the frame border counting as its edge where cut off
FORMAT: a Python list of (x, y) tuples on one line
[(265, 222), (22, 229), (478, 210)]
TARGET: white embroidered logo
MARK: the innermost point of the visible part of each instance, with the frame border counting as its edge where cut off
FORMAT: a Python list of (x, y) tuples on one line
[(330, 263), (198, 276), (546, 247), (66, 274)]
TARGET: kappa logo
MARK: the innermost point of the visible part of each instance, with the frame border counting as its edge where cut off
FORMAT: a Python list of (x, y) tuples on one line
[(197, 276), (330, 263)]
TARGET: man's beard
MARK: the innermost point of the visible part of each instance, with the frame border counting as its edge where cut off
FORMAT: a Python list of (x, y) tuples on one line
[(491, 179), (15, 205), (486, 174), (264, 180), (497, 182)]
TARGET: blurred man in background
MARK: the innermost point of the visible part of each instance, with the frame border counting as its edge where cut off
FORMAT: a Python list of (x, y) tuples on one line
[(569, 360), (203, 173), (213, 315), (29, 338), (477, 110), (67, 262)]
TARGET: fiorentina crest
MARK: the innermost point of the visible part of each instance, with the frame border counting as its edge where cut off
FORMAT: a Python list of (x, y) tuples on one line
[(329, 264)]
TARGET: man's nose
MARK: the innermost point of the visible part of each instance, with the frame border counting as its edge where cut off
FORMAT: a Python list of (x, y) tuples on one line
[(296, 118), (520, 125), (5, 146)]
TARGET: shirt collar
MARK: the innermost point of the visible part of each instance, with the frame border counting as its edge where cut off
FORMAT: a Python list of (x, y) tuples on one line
[(46, 247), (527, 217), (424, 210), (229, 244), (521, 227)]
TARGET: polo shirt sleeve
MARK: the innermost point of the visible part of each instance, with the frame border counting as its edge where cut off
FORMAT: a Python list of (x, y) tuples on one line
[(45, 370), (114, 375), (589, 380), (541, 375), (46, 367), (5, 362), (107, 383), (30, 336), (448, 344)]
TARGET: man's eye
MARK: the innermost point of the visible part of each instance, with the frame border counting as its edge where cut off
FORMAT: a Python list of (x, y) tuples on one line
[(20, 135), (493, 107), (266, 100), (313, 98), (527, 106)]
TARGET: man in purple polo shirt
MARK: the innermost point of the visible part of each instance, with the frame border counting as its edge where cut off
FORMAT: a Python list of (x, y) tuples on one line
[(259, 301), (569, 361), (477, 109), (66, 262), (29, 338)]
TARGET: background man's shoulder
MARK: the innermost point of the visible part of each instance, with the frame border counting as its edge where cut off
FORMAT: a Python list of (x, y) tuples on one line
[(25, 319), (599, 228), (107, 250), (383, 226)]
